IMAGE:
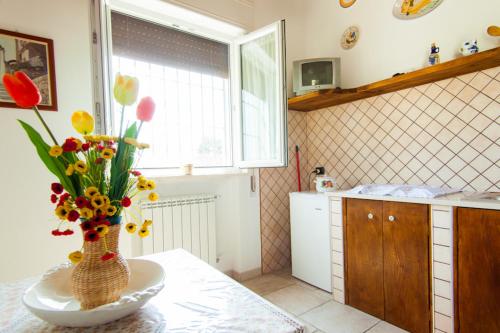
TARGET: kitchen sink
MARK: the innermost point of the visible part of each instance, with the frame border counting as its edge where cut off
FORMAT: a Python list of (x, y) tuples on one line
[(485, 196)]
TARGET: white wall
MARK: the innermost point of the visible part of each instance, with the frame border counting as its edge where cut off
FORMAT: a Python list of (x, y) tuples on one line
[(387, 45), (26, 245)]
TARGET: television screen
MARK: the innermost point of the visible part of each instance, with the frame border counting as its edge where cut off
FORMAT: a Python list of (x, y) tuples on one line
[(317, 73)]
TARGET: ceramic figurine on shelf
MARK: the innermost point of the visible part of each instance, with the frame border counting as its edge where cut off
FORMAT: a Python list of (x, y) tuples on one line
[(434, 56), (469, 47)]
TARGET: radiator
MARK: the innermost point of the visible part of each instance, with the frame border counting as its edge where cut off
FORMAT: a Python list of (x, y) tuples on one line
[(186, 222)]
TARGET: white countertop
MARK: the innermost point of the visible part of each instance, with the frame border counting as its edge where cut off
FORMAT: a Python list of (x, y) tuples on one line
[(455, 199)]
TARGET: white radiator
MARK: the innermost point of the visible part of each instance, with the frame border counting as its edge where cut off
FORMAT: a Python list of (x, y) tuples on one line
[(186, 222)]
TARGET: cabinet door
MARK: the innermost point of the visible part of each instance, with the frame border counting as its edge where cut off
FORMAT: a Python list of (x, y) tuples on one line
[(365, 284), (478, 263), (406, 266)]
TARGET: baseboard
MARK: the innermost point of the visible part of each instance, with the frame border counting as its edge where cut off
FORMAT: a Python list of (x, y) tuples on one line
[(246, 275)]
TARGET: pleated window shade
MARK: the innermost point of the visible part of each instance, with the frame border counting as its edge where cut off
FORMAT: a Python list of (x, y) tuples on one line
[(141, 40)]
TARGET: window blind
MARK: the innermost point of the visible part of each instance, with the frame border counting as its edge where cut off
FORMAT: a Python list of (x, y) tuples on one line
[(141, 40)]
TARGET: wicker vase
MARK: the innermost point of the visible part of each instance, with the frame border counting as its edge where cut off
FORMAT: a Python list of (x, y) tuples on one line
[(96, 282)]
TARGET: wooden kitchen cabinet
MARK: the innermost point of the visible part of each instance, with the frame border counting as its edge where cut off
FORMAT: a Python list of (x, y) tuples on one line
[(365, 270), (387, 261), (477, 270)]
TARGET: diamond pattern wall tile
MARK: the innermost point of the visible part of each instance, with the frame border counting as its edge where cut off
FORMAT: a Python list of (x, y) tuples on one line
[(445, 133)]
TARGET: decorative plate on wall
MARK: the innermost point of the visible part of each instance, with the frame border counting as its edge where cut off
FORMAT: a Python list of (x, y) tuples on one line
[(409, 9), (347, 3), (349, 37)]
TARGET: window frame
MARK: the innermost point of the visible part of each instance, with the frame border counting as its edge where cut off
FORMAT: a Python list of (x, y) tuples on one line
[(103, 74)]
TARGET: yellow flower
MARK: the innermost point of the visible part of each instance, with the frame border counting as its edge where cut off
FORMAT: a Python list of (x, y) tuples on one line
[(143, 145), (55, 151), (82, 122), (62, 212), (142, 179), (101, 211), (131, 227), (97, 201), (91, 191), (86, 213), (111, 210), (102, 230), (147, 223), (142, 186), (106, 200), (153, 196), (69, 170), (81, 166), (131, 141), (75, 257), (125, 89), (151, 184), (143, 232), (107, 153)]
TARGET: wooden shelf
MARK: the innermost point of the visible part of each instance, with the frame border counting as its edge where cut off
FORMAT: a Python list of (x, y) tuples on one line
[(460, 66)]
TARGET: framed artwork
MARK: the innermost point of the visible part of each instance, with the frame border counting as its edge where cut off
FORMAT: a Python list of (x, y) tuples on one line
[(347, 3), (34, 56), (409, 9)]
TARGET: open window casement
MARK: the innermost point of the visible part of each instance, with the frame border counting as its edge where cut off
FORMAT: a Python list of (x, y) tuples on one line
[(260, 99)]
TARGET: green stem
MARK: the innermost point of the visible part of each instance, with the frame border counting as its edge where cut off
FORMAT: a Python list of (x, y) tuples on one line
[(121, 120), (35, 108), (139, 129)]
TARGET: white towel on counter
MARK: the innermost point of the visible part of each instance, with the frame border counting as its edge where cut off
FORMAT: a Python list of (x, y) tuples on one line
[(402, 191)]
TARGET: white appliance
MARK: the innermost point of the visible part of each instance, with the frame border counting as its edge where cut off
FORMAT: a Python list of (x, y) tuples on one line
[(310, 236)]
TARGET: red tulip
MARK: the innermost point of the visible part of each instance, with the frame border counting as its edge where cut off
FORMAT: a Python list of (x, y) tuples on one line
[(22, 90), (145, 109)]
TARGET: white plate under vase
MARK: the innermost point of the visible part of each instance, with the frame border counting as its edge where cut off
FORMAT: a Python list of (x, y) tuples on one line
[(51, 299)]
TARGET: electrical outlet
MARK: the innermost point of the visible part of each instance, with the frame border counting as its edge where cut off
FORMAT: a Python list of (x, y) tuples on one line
[(319, 171)]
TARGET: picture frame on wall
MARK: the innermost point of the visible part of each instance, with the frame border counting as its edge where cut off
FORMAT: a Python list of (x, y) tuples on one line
[(34, 56)]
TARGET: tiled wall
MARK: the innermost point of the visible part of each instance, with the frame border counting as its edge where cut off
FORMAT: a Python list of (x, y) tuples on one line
[(275, 184), (445, 134)]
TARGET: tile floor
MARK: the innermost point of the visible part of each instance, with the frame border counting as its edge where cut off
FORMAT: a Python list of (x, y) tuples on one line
[(314, 307)]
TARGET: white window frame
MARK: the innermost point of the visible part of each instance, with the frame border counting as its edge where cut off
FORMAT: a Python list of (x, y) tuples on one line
[(278, 28), (102, 54)]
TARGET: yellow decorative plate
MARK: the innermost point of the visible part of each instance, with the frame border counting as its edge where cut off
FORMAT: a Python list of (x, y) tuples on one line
[(409, 9), (347, 3)]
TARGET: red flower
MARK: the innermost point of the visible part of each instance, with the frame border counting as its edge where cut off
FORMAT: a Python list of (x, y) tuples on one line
[(63, 198), (56, 232), (100, 147), (135, 173), (108, 256), (57, 188), (86, 146), (69, 145), (22, 90), (146, 109), (68, 232), (91, 236), (86, 225), (53, 198), (73, 216), (98, 160), (81, 202), (126, 202)]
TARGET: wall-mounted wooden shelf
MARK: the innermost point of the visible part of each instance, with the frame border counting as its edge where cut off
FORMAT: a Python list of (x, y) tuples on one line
[(460, 66)]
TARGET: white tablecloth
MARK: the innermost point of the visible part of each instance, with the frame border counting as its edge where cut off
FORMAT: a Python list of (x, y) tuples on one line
[(196, 298)]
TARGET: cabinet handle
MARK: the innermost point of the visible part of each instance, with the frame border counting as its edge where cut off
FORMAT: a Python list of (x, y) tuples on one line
[(370, 216), (392, 218)]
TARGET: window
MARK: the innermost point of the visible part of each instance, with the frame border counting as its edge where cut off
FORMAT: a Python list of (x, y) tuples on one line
[(188, 77), (218, 103)]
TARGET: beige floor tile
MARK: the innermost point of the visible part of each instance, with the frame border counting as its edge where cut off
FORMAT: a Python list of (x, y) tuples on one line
[(384, 327), (268, 283), (333, 317), (296, 299)]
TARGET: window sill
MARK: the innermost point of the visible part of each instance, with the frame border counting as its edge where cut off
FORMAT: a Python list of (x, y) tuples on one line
[(176, 174)]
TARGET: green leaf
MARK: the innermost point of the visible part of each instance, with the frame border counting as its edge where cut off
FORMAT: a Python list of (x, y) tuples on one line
[(121, 164), (54, 165)]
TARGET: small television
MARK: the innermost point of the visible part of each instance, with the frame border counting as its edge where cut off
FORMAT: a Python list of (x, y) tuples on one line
[(315, 74)]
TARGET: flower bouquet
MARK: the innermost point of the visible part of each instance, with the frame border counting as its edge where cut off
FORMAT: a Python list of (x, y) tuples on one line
[(97, 183)]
